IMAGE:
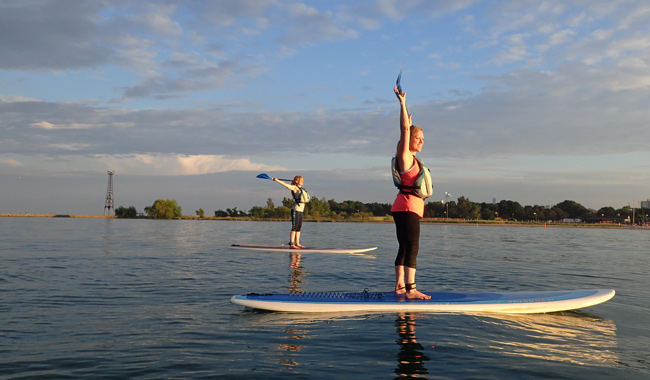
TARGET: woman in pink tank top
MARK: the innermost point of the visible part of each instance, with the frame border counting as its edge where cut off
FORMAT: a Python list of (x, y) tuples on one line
[(407, 209)]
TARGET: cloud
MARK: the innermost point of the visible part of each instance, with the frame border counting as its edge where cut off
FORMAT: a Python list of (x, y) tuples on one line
[(310, 26), (176, 164), (43, 35), (185, 131), (573, 109), (67, 161), (158, 19), (46, 125), (10, 162), (228, 13)]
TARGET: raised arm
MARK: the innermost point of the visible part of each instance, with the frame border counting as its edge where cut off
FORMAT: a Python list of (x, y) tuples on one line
[(289, 186), (404, 155)]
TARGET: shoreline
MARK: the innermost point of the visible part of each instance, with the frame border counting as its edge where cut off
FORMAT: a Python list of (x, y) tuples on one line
[(14, 215), (488, 223)]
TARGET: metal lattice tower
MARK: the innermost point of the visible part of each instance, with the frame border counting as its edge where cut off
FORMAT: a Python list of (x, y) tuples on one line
[(109, 193)]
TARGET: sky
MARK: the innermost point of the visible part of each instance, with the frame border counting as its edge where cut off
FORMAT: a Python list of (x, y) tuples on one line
[(531, 101)]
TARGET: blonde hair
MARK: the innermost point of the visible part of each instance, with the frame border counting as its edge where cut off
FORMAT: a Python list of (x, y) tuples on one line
[(413, 130), (296, 179)]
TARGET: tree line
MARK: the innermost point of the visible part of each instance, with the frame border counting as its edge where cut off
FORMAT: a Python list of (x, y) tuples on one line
[(462, 209), (160, 209)]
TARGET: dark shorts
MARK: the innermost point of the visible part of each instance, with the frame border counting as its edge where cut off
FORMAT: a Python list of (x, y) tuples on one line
[(296, 220), (407, 225)]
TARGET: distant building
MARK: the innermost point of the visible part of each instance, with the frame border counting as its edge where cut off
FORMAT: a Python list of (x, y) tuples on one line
[(645, 204)]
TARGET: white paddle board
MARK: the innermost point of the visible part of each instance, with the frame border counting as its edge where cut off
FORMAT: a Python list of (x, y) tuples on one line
[(490, 302), (278, 248)]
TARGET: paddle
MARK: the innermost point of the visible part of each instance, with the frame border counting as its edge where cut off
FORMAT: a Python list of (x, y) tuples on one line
[(399, 79), (266, 176), (398, 83)]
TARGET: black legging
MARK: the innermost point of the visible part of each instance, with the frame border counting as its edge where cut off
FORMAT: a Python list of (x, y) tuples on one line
[(296, 220), (407, 225)]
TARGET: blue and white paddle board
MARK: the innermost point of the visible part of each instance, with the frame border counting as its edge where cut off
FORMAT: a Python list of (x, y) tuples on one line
[(284, 248), (491, 302)]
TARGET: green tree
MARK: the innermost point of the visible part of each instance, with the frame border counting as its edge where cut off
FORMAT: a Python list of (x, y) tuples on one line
[(379, 209), (535, 213), (489, 211), (449, 210), (318, 208), (467, 209), (281, 212), (164, 209), (556, 213), (433, 209), (624, 212), (510, 210), (575, 210), (122, 212), (257, 212), (200, 213), (606, 212), (288, 202)]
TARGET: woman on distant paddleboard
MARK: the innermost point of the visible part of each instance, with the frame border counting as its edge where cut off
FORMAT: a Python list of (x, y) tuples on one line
[(296, 211), (408, 208)]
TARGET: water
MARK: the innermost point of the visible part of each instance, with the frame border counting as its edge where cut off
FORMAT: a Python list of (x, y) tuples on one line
[(144, 299)]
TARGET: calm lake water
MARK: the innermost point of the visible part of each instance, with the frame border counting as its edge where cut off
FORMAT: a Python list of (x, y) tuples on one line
[(145, 299)]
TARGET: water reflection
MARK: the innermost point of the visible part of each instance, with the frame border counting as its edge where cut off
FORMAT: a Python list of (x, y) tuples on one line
[(109, 232), (410, 358), (295, 334), (296, 273), (572, 337), (569, 337)]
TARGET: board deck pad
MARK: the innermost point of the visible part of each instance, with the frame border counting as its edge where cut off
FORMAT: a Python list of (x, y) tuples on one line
[(455, 302), (283, 248)]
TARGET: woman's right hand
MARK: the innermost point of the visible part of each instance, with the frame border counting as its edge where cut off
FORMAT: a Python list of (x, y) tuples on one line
[(402, 100), (400, 95)]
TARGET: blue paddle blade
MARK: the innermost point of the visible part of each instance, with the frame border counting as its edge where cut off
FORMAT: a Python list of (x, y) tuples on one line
[(399, 79), (397, 83), (263, 176)]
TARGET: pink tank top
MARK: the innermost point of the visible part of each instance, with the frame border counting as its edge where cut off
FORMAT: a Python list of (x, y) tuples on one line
[(409, 202)]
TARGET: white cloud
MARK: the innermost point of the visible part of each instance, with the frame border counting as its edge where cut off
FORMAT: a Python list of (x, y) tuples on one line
[(561, 37), (176, 164), (49, 126), (68, 147), (15, 99), (515, 50), (369, 23), (10, 162), (131, 164), (203, 164), (309, 26), (159, 20)]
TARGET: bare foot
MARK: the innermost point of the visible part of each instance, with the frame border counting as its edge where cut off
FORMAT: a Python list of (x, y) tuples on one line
[(300, 246), (400, 289), (414, 294)]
